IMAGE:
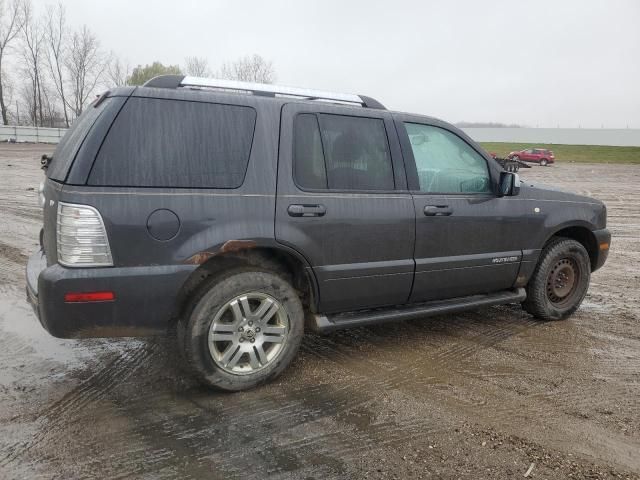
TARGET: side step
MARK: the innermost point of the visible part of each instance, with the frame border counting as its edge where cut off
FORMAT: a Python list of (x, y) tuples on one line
[(326, 323)]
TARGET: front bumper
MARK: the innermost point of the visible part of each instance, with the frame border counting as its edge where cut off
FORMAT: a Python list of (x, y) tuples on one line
[(145, 298)]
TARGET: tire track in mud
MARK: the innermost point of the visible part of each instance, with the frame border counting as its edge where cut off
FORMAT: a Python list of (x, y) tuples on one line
[(55, 418), (18, 210), (500, 408), (12, 254), (12, 263), (342, 421), (318, 405)]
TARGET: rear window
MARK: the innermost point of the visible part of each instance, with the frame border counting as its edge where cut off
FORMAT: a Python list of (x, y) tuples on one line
[(69, 145), (174, 143), (340, 152)]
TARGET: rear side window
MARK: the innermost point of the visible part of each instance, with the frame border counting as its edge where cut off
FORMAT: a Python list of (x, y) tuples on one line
[(340, 152), (309, 169), (69, 145), (173, 143)]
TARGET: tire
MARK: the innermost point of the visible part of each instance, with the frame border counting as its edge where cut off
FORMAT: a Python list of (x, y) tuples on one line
[(543, 162), (560, 280), (241, 330), (515, 158)]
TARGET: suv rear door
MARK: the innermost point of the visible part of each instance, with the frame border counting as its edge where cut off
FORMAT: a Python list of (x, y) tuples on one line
[(468, 240), (342, 203)]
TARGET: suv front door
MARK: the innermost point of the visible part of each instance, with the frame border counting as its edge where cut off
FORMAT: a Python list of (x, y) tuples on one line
[(468, 240), (528, 155), (342, 203)]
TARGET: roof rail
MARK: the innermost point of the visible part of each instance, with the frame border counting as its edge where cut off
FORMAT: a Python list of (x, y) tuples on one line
[(264, 89)]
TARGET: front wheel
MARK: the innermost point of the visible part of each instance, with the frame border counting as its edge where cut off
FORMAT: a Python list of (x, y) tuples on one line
[(543, 162), (560, 280), (243, 330)]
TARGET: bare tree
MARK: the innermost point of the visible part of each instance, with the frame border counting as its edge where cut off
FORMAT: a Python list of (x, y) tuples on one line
[(117, 72), (252, 68), (32, 51), (56, 39), (25, 104), (197, 66), (52, 116), (9, 90), (86, 65), (10, 26)]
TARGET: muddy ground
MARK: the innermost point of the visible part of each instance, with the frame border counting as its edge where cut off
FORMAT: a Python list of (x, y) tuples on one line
[(485, 394)]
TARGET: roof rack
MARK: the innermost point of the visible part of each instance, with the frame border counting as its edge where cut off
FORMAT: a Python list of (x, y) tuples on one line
[(176, 81)]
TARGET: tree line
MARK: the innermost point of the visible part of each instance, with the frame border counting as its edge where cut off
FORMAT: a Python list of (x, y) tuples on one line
[(50, 70)]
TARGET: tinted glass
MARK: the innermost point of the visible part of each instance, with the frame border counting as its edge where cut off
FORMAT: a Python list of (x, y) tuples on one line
[(66, 150), (446, 163), (172, 143), (308, 165), (356, 153)]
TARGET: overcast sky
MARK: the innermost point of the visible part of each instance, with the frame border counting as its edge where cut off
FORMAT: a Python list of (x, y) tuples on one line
[(566, 62)]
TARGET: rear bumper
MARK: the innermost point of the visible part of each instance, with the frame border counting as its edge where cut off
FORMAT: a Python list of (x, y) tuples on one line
[(145, 298), (603, 237)]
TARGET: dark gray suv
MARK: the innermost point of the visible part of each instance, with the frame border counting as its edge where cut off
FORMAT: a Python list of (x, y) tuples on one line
[(237, 213)]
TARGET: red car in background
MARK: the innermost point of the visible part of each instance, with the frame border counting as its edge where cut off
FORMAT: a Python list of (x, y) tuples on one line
[(538, 155)]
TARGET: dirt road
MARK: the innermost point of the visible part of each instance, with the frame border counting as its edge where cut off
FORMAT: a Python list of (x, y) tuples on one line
[(485, 394)]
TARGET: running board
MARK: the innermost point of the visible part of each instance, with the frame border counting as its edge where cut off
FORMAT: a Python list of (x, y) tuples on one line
[(326, 323)]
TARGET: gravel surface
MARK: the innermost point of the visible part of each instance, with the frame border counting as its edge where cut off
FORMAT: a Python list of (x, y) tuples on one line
[(485, 394)]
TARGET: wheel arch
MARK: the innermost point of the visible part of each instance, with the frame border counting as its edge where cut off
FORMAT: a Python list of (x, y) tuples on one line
[(582, 235), (248, 253)]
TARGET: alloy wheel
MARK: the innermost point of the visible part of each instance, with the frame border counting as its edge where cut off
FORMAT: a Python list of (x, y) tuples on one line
[(248, 333)]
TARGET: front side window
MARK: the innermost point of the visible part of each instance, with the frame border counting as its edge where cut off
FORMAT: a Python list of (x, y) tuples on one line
[(445, 163), (340, 152)]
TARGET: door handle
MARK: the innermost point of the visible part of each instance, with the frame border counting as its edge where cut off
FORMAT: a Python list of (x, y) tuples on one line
[(438, 210), (297, 210)]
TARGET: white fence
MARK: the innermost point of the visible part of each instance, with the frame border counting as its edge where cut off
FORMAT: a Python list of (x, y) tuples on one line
[(562, 136), (31, 134), (623, 137)]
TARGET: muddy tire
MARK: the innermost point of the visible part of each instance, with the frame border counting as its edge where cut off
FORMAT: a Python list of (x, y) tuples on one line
[(560, 280), (241, 330)]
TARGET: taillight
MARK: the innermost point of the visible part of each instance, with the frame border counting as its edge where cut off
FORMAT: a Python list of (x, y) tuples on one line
[(81, 237)]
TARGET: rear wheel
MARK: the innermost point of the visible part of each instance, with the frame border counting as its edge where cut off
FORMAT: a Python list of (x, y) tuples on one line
[(515, 158), (543, 162), (560, 280), (243, 330)]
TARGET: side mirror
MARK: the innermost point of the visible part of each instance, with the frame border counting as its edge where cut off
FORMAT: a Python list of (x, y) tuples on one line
[(509, 185)]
